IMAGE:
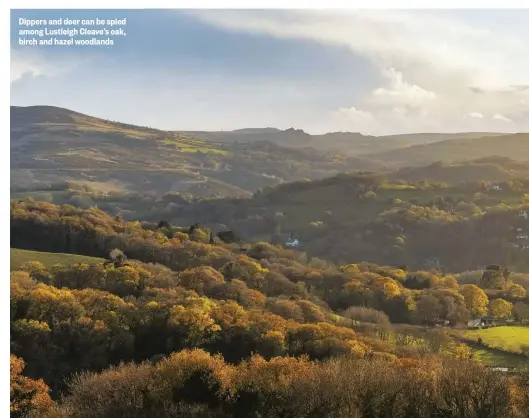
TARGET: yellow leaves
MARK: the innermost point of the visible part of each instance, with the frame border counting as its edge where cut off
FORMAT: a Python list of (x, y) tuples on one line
[(45, 293), (16, 366), (230, 314), (277, 373), (80, 267), (134, 225), (193, 318), (255, 298), (173, 371), (357, 348), (459, 351), (266, 321), (99, 325), (249, 267), (28, 396), (350, 268), (85, 321), (398, 274), (201, 303), (391, 290), (47, 302), (33, 267), (500, 308), (98, 302), (311, 312), (180, 236), (475, 299), (30, 326), (200, 279), (21, 284), (275, 336), (410, 304), (152, 305), (517, 291), (448, 282)]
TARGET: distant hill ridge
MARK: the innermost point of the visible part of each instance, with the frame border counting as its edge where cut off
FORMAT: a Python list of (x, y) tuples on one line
[(24, 115), (51, 145)]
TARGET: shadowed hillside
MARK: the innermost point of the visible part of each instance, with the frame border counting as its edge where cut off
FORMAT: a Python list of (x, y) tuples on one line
[(368, 216), (493, 169), (515, 146)]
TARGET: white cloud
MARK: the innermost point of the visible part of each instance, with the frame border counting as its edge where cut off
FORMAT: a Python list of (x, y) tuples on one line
[(25, 62), (35, 62), (474, 115), (354, 113), (436, 68), (400, 92), (498, 116), (353, 119)]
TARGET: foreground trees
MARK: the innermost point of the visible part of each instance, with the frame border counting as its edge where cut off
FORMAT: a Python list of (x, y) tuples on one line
[(196, 384), (29, 398)]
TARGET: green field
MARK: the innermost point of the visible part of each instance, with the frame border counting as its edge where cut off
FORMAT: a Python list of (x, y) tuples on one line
[(19, 257), (508, 338), (191, 144), (498, 358)]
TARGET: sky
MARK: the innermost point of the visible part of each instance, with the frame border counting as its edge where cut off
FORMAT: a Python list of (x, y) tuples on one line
[(375, 72)]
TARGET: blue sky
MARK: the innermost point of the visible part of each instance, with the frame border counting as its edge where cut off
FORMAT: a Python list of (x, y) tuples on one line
[(375, 72)]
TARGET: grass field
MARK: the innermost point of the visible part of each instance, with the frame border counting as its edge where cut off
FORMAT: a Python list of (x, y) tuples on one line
[(19, 257), (191, 144), (498, 358), (508, 338)]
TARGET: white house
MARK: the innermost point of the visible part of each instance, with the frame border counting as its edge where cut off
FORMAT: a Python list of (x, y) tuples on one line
[(480, 322), (292, 242)]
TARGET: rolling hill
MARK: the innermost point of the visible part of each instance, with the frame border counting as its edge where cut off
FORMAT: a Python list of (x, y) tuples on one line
[(351, 143), (493, 169), (515, 146), (51, 145)]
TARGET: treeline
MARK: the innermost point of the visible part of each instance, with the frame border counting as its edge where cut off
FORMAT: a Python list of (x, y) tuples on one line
[(197, 384)]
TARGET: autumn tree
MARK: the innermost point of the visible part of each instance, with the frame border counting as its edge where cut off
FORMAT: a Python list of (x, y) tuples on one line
[(517, 291), (201, 279), (500, 308), (475, 299), (29, 398)]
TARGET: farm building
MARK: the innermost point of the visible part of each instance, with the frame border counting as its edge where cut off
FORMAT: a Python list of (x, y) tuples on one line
[(481, 322), (292, 242)]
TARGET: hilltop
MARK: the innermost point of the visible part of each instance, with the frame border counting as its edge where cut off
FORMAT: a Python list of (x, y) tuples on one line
[(51, 145), (351, 143)]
